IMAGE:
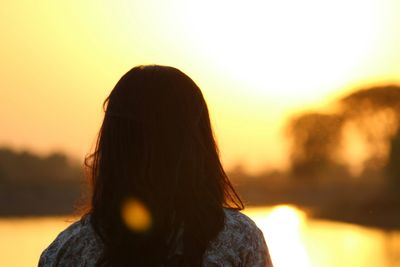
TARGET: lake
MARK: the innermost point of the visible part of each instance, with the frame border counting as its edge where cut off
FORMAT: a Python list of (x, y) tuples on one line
[(292, 237)]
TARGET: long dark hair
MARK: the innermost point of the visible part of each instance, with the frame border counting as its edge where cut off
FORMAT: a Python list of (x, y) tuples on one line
[(156, 146)]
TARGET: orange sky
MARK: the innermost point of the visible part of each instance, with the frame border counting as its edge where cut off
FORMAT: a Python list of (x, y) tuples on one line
[(257, 63)]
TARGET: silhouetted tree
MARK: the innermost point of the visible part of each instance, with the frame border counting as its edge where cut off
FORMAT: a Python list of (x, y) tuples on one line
[(376, 113), (393, 165), (375, 98), (315, 139)]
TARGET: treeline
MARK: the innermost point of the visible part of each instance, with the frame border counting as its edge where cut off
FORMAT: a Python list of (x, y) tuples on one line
[(320, 177), (39, 185)]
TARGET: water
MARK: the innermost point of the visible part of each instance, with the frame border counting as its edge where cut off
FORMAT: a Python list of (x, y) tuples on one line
[(293, 240)]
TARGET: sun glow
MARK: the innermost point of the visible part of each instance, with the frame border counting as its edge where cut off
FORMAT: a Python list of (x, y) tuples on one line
[(291, 50), (256, 61)]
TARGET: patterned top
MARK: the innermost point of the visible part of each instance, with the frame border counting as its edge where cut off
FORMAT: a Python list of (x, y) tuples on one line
[(240, 243)]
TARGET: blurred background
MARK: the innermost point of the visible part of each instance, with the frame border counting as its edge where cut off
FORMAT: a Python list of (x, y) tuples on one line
[(304, 98)]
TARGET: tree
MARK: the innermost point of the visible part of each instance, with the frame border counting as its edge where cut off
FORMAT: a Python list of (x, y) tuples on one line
[(393, 165), (376, 113), (316, 137)]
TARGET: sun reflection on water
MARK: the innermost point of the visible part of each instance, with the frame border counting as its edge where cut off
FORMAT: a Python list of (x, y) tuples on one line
[(282, 227), (294, 239)]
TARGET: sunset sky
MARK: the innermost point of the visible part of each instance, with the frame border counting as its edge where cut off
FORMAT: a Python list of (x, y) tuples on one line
[(257, 63)]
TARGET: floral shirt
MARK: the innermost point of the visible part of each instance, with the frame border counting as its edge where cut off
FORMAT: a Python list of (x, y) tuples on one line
[(240, 243)]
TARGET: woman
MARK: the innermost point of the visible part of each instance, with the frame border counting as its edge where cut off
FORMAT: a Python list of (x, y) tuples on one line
[(160, 196)]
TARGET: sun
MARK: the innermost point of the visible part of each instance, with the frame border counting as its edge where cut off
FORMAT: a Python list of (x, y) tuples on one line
[(290, 50)]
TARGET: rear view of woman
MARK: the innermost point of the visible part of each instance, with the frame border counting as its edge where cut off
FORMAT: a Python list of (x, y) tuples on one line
[(160, 196)]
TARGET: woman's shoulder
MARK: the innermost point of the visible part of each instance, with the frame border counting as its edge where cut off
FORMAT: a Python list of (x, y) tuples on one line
[(236, 220), (239, 226), (240, 243), (74, 245)]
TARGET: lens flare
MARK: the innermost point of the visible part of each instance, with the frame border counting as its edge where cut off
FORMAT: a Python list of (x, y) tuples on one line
[(136, 216)]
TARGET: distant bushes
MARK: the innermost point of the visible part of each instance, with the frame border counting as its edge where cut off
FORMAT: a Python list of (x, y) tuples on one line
[(318, 179), (35, 185)]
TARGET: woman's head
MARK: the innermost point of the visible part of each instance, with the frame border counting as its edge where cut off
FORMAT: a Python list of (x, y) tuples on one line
[(156, 145)]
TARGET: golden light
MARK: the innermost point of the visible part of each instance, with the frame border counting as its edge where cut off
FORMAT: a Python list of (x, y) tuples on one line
[(136, 215), (290, 50), (257, 62), (282, 229)]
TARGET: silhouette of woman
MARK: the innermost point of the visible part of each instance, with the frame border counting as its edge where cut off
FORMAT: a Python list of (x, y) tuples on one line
[(160, 196)]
